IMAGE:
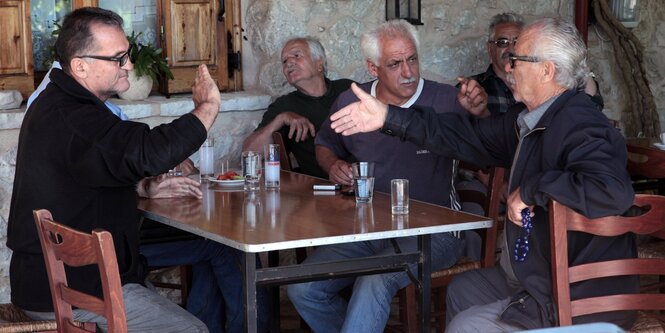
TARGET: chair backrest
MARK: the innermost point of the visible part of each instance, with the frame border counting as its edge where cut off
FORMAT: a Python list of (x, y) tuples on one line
[(63, 245), (563, 219), (490, 202), (645, 162), (284, 156)]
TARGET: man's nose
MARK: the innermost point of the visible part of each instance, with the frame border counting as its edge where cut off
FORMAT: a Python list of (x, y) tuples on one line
[(405, 67)]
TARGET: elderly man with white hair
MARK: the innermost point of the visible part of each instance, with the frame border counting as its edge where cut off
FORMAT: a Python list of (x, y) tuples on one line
[(391, 54), (560, 147)]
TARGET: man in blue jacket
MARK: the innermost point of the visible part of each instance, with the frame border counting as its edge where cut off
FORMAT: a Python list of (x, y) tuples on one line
[(560, 147)]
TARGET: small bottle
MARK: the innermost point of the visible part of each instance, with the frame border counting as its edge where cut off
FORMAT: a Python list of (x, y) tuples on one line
[(272, 166)]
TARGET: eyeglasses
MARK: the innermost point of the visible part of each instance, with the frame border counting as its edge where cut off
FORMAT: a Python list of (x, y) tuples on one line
[(122, 59), (513, 58), (503, 43)]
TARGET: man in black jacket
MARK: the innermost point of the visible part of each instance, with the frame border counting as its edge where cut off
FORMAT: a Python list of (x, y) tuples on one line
[(560, 147), (82, 162)]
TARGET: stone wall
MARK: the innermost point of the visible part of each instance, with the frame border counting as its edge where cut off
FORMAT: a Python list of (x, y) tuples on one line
[(651, 33), (452, 43), (452, 40)]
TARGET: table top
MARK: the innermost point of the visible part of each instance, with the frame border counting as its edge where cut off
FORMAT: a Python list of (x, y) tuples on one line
[(296, 216), (649, 143)]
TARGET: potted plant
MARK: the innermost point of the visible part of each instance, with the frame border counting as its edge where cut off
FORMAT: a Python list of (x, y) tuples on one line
[(148, 66)]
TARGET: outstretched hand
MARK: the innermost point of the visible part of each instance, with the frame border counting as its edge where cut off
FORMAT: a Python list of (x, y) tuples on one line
[(366, 115), (206, 97)]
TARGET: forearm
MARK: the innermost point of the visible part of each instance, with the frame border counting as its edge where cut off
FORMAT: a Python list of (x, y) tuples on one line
[(261, 136), (325, 157), (206, 113)]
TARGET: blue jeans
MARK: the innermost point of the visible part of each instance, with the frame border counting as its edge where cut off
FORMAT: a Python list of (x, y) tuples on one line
[(216, 282), (146, 311), (324, 310)]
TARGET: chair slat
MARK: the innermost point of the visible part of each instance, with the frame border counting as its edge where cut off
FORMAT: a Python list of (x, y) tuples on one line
[(650, 221)]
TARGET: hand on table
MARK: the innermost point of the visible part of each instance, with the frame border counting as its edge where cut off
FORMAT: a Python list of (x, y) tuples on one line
[(164, 186), (340, 173), (187, 167)]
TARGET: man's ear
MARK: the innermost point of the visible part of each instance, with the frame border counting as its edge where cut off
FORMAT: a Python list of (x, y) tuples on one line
[(548, 71), (319, 65), (372, 68), (79, 68)]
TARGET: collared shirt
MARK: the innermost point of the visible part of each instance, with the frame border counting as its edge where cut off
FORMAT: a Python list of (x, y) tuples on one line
[(527, 120), (499, 96), (114, 108)]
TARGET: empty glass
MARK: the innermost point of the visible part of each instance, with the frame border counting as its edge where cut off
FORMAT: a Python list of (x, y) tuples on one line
[(251, 169), (399, 196)]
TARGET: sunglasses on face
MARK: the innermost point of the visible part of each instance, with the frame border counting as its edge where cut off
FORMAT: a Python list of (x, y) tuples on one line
[(503, 43), (122, 59), (513, 58)]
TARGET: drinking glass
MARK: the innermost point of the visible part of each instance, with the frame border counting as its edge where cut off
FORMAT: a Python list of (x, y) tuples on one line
[(207, 156), (363, 181), (399, 196), (251, 169)]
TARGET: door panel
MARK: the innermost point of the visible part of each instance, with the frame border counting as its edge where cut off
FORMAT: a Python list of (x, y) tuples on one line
[(16, 70)]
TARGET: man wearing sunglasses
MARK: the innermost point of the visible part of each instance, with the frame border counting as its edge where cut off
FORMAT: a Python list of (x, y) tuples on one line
[(79, 159), (503, 31), (559, 147)]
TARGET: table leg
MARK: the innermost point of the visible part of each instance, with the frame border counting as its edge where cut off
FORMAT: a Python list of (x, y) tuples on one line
[(425, 277), (273, 261), (249, 271)]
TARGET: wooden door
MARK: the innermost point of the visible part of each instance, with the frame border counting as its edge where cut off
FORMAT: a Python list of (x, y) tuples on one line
[(194, 32), (16, 68)]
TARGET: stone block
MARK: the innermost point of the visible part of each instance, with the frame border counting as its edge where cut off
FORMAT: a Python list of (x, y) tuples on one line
[(10, 99)]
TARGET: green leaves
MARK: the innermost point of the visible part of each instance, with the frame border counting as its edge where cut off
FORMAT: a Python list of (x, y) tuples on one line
[(147, 59)]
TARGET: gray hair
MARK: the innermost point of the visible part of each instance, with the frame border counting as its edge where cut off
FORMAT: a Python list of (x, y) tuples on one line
[(316, 50), (560, 42), (370, 41), (502, 19)]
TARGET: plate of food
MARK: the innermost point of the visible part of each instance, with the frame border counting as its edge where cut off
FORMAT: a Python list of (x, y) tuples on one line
[(229, 178)]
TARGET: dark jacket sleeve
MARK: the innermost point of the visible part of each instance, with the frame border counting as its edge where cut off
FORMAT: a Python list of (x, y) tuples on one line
[(484, 142), (591, 176), (129, 150)]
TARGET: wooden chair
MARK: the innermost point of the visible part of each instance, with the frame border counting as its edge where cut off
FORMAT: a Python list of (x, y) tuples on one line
[(564, 219), (646, 166), (284, 154), (14, 320), (440, 279), (63, 245)]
